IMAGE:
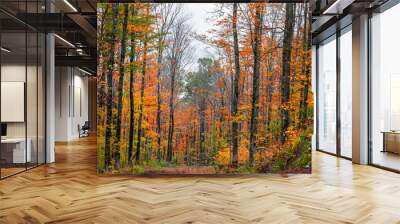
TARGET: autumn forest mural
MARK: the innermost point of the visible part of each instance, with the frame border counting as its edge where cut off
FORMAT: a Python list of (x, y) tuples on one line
[(204, 88)]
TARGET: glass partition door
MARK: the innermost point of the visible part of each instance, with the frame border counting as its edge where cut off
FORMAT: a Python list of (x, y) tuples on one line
[(22, 79), (14, 153)]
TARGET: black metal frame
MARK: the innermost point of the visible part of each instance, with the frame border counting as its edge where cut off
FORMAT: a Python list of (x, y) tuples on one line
[(338, 98), (44, 80), (369, 98)]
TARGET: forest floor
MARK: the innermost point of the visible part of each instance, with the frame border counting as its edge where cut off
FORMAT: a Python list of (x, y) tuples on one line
[(184, 170), (208, 170)]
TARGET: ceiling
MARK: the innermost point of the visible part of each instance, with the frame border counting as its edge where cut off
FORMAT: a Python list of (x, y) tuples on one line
[(74, 22), (331, 15)]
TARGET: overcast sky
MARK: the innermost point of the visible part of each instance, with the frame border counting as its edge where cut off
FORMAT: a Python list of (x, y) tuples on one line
[(199, 13)]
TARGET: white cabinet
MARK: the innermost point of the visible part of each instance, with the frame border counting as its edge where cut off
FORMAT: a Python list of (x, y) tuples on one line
[(19, 155)]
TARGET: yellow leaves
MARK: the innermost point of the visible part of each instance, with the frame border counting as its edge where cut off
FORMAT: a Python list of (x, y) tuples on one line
[(223, 157), (150, 101), (246, 51), (218, 117), (223, 43), (138, 28), (245, 107), (238, 118), (243, 154), (152, 134)]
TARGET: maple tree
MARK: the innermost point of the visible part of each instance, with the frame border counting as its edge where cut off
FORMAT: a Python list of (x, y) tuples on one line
[(246, 109)]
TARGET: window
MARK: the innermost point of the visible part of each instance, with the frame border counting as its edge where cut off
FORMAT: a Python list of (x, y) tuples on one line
[(346, 92), (385, 89), (327, 95)]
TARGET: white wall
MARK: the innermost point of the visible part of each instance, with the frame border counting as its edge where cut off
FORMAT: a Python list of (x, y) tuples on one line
[(81, 108), (33, 127), (61, 103), (16, 73), (71, 102), (11, 73)]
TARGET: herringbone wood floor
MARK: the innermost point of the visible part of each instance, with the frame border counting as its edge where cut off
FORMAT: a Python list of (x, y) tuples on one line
[(70, 191)]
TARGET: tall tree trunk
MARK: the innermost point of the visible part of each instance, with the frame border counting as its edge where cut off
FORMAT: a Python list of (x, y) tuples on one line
[(256, 85), (306, 71), (168, 14), (159, 61), (202, 116), (121, 84), (107, 148), (235, 97), (131, 96), (140, 119), (171, 114), (102, 76), (193, 139), (270, 88), (285, 78), (188, 139), (221, 113)]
